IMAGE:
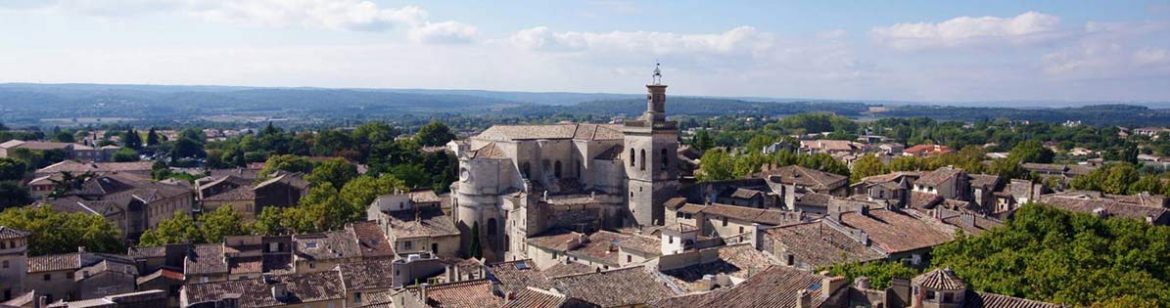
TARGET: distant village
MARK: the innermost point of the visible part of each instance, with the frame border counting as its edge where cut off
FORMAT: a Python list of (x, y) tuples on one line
[(557, 215)]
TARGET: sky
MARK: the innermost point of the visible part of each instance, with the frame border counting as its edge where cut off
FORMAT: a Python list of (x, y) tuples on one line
[(940, 51)]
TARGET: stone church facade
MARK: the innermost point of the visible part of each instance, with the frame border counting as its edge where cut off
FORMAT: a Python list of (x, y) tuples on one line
[(519, 181)]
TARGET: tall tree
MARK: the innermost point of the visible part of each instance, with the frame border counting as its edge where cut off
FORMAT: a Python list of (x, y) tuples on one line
[(12, 169), (55, 232), (152, 138), (223, 221), (434, 133), (866, 165), (334, 171), (175, 230), (716, 165)]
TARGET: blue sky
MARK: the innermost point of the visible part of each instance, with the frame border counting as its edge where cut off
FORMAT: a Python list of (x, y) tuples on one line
[(952, 51)]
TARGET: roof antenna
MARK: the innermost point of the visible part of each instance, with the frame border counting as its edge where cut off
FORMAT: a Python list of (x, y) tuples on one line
[(657, 77)]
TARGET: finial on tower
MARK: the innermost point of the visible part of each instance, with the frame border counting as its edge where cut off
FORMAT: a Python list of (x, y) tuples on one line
[(657, 77)]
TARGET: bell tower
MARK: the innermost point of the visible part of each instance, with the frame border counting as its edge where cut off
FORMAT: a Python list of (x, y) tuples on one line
[(13, 262), (651, 158)]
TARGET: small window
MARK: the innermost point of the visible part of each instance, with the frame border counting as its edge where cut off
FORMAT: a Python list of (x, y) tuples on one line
[(4, 264), (357, 297), (48, 277), (741, 229), (408, 245), (724, 221), (69, 275), (629, 258), (930, 295), (948, 297)]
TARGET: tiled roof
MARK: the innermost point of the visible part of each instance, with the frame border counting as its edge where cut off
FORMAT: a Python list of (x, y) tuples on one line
[(938, 176), (991, 300), (1112, 207), (921, 200), (641, 243), (675, 203), (515, 276), (163, 273), (332, 245), (529, 298), (558, 240), (940, 279), (829, 145), (206, 259), (761, 216), (985, 181), (472, 293), (424, 196), (820, 245), (740, 261), (7, 233), (301, 288), (811, 178), (147, 252), (79, 167), (972, 224), (775, 287), (567, 269), (491, 150), (555, 131), (894, 231), (368, 275), (69, 261), (602, 247), (814, 200), (743, 193), (428, 223), (371, 240), (242, 193), (622, 287)]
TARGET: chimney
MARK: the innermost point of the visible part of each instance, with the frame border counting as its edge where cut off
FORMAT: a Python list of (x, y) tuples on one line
[(422, 292), (831, 285), (862, 283), (279, 291), (804, 299)]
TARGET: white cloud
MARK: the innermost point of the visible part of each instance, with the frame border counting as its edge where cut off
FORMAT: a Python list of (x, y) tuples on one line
[(443, 33), (329, 14), (737, 39), (352, 15), (1028, 27), (1112, 50)]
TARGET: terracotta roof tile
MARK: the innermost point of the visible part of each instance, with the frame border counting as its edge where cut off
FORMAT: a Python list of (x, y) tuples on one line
[(301, 288), (810, 178), (515, 276), (622, 287), (761, 216), (7, 233), (775, 287), (940, 279), (895, 232), (818, 244), (529, 298), (473, 293)]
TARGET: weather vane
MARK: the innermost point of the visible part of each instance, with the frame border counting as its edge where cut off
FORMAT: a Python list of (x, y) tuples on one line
[(657, 77)]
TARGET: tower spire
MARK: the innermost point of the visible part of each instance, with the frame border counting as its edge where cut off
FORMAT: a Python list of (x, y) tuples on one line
[(656, 78)]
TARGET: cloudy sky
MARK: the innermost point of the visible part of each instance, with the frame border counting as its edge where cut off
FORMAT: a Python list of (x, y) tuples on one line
[(1117, 51)]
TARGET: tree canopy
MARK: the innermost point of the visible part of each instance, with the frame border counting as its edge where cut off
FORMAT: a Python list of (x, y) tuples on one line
[(1057, 256), (54, 232)]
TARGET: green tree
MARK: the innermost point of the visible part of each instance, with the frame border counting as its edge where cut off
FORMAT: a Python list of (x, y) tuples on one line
[(906, 163), (131, 139), (175, 230), (287, 163), (126, 154), (1031, 151), (12, 169), (270, 222), (187, 148), (866, 165), (223, 221), (1118, 178), (64, 137), (434, 133), (716, 165), (702, 141), (11, 195), (335, 171), (152, 138), (1150, 183), (475, 250), (54, 232), (361, 192), (1053, 255)]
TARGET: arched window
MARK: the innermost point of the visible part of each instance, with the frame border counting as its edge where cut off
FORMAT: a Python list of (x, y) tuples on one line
[(642, 163), (631, 157), (665, 159), (491, 227), (557, 169)]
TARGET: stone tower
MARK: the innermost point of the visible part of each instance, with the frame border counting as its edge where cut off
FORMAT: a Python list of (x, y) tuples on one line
[(13, 262), (651, 146)]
